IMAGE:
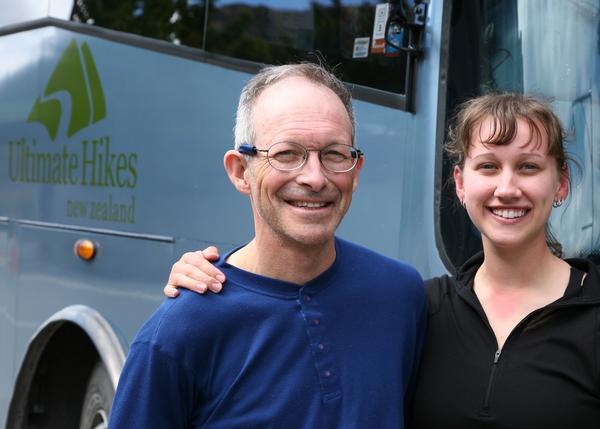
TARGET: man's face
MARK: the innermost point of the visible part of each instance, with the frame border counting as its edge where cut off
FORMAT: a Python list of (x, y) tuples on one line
[(304, 206)]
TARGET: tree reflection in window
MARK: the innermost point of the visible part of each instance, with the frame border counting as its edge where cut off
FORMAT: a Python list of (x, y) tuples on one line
[(270, 32)]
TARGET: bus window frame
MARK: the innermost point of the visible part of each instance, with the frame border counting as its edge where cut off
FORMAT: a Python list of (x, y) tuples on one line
[(440, 182), (359, 92)]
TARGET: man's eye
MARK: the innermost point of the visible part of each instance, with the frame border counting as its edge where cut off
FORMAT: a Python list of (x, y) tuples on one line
[(486, 166), (287, 155), (335, 156)]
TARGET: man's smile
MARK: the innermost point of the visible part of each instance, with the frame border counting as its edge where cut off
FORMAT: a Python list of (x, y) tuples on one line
[(308, 204)]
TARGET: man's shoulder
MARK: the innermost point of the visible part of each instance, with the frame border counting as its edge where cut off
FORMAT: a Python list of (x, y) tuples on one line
[(188, 319), (371, 260), (390, 275)]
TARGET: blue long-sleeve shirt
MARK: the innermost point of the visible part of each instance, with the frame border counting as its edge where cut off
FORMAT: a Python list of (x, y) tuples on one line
[(337, 352)]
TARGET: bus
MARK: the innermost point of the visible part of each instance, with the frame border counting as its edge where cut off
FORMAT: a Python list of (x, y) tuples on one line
[(114, 116)]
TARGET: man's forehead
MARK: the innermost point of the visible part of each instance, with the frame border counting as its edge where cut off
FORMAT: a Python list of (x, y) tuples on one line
[(297, 96), (293, 88)]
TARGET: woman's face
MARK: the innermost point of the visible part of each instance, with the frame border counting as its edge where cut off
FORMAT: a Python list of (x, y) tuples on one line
[(508, 190)]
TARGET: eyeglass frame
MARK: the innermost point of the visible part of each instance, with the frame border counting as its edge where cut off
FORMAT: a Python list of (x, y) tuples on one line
[(251, 150)]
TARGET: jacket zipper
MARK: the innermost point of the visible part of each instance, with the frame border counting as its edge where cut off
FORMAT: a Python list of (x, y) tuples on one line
[(531, 317), (488, 391)]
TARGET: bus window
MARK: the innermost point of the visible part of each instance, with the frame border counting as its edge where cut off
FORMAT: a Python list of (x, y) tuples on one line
[(341, 33), (547, 48), (179, 22), (280, 32)]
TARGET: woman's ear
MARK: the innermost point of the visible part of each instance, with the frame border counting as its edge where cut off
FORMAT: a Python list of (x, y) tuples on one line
[(563, 184), (236, 167), (458, 184)]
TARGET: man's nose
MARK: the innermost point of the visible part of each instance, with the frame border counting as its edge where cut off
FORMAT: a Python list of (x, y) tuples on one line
[(312, 173)]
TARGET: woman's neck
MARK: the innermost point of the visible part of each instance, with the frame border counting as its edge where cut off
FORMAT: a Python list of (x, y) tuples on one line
[(510, 284), (529, 265)]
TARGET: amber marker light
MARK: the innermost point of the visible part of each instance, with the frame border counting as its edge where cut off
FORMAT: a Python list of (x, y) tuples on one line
[(85, 249)]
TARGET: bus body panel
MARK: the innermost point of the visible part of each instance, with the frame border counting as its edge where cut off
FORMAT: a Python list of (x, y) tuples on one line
[(164, 133), (8, 317)]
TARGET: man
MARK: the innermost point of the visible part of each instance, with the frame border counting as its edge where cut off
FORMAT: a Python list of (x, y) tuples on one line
[(293, 341)]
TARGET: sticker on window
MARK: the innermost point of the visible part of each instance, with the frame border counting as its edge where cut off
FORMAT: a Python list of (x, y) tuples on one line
[(361, 47), (382, 11)]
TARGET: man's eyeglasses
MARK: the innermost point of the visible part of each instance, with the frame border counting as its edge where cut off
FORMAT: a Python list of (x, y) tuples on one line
[(288, 156)]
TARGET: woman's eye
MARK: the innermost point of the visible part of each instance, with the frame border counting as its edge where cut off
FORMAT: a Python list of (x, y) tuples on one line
[(530, 167), (486, 166)]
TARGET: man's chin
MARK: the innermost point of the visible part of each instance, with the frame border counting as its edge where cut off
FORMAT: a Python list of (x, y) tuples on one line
[(312, 238)]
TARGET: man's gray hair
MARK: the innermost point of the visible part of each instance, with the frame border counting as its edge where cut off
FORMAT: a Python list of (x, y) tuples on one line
[(244, 131)]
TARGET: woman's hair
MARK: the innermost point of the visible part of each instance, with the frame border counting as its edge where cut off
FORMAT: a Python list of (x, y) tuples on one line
[(504, 110)]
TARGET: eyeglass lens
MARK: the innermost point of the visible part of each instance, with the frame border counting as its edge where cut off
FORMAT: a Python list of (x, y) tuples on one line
[(290, 156)]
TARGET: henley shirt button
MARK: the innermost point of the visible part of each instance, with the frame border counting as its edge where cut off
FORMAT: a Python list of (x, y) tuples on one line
[(306, 298), (327, 374), (321, 346), (316, 321)]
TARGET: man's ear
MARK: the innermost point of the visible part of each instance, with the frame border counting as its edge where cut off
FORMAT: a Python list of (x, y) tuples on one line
[(236, 167), (458, 184), (357, 168)]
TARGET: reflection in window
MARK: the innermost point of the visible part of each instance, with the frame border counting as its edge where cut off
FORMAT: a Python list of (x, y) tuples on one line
[(281, 32), (176, 21), (271, 32), (571, 29)]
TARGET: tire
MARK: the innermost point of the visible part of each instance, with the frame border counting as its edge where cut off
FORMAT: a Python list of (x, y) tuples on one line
[(99, 395)]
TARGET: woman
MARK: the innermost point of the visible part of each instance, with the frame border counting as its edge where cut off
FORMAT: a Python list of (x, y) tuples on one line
[(514, 339)]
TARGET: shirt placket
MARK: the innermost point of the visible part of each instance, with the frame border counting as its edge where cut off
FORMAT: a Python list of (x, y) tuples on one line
[(321, 347)]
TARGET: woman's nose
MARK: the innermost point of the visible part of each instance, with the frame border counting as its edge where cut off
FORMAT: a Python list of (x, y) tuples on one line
[(508, 186)]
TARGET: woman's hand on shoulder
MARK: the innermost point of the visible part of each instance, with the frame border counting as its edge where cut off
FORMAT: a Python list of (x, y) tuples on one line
[(195, 271)]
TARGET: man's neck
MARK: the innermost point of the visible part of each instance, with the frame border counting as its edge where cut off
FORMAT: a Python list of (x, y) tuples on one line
[(292, 263)]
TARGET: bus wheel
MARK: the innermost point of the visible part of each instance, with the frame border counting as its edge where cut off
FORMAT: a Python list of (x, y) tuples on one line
[(99, 395)]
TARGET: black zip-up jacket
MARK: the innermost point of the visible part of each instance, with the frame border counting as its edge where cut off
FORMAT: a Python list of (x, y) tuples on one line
[(547, 374)]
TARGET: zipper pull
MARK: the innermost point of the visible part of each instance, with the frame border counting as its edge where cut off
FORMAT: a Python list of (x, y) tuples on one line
[(497, 356)]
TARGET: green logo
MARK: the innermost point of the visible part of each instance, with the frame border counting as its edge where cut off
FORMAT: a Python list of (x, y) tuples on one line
[(81, 81), (92, 162)]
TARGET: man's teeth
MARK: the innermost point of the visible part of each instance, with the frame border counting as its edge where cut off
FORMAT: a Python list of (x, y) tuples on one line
[(308, 204), (509, 214)]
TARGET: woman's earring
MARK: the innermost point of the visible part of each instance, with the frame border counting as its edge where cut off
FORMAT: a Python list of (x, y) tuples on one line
[(462, 203), (557, 203)]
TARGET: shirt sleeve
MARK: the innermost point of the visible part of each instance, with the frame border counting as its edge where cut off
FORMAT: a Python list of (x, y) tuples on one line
[(155, 391)]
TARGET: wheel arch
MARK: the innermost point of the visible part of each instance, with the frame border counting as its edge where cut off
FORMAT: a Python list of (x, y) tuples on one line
[(87, 334)]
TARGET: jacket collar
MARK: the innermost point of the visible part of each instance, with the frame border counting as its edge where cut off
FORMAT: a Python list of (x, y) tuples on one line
[(589, 293), (591, 284)]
